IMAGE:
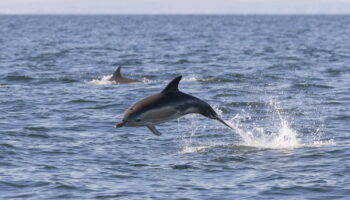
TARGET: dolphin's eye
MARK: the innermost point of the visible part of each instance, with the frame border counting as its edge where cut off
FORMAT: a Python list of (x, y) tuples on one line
[(138, 120)]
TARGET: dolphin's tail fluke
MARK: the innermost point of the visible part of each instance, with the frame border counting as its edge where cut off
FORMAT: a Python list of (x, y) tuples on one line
[(222, 121), (209, 112)]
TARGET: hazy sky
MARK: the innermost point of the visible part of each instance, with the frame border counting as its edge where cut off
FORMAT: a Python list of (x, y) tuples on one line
[(175, 6)]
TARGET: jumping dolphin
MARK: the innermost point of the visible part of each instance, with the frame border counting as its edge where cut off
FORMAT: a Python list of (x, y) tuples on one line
[(165, 106), (118, 79)]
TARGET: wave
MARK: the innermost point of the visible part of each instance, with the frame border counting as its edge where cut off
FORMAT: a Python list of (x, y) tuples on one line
[(308, 85), (195, 79), (209, 79), (18, 78)]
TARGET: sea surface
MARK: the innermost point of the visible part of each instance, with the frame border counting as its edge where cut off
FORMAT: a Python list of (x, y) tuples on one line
[(281, 82)]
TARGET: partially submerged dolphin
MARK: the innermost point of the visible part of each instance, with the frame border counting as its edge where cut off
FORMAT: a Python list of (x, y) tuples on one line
[(119, 79), (165, 106)]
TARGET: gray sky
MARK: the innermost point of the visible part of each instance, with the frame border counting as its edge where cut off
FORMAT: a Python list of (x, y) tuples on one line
[(174, 6)]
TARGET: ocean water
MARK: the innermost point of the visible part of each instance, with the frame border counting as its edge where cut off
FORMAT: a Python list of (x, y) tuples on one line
[(282, 82)]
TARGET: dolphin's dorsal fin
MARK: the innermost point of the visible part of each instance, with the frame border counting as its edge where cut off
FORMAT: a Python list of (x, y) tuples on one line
[(173, 86), (117, 74)]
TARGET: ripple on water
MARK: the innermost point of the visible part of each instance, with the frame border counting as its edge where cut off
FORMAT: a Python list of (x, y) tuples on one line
[(18, 78), (309, 85), (182, 167)]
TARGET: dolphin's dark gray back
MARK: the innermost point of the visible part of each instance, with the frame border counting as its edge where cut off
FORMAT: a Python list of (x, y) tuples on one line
[(172, 93), (192, 105)]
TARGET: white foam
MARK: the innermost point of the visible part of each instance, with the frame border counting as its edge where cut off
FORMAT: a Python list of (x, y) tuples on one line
[(105, 81), (145, 80), (277, 133), (193, 149), (195, 79), (280, 136), (102, 81)]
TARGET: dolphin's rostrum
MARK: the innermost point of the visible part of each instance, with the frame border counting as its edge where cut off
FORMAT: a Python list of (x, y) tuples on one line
[(119, 79), (165, 106)]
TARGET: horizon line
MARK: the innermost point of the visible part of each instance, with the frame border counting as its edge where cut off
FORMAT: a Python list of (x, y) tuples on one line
[(174, 13)]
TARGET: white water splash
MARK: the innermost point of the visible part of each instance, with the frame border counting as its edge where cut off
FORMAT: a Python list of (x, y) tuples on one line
[(283, 135), (105, 81), (187, 140), (102, 81), (145, 80), (276, 133), (280, 135), (188, 145)]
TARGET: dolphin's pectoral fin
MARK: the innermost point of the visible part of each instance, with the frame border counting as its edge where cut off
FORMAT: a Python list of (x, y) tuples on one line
[(154, 130)]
